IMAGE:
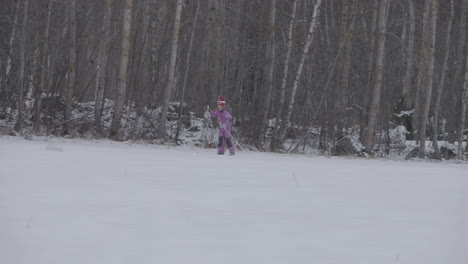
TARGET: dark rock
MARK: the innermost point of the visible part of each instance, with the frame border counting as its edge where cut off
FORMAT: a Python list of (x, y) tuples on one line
[(173, 113), (4, 130), (447, 153), (414, 154), (347, 146), (84, 129)]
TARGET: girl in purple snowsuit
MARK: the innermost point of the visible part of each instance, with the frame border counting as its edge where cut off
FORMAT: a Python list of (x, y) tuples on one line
[(225, 125)]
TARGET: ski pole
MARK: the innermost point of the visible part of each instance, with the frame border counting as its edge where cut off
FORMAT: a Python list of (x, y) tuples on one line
[(235, 141)]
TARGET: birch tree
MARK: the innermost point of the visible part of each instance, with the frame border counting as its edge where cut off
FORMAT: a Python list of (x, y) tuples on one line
[(122, 79), (408, 79), (101, 67), (187, 68), (452, 126), (71, 68), (44, 67), (440, 87), (142, 93), (379, 67), (429, 44), (422, 72), (12, 39), (20, 120), (464, 106), (370, 72), (284, 80), (305, 51), (269, 66), (171, 69), (464, 96), (347, 38)]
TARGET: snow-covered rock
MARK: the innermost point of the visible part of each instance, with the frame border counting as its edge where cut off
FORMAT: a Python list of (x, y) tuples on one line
[(4, 130), (447, 152), (413, 154), (348, 146)]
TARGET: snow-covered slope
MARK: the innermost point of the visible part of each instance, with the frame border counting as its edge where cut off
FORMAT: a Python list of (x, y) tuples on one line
[(106, 203)]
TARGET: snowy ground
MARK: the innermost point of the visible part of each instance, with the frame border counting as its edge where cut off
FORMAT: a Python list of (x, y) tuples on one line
[(67, 202)]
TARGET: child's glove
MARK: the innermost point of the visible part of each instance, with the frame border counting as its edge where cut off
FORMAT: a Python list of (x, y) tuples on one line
[(222, 126)]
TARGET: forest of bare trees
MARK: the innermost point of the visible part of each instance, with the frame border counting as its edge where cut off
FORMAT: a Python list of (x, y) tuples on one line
[(306, 72)]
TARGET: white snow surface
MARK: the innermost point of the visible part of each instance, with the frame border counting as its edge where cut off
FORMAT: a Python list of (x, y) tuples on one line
[(74, 201)]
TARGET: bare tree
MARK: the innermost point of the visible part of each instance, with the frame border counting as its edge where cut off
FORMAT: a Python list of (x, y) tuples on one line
[(310, 37), (20, 121), (427, 82), (269, 67), (12, 40), (379, 67), (464, 106), (286, 63), (44, 67), (408, 80), (452, 120), (370, 72), (71, 68), (102, 64), (464, 98), (122, 81), (440, 88), (187, 68), (142, 65), (171, 69), (422, 72), (347, 37)]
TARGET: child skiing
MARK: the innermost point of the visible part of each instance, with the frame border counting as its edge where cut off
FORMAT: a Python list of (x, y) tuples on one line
[(225, 125)]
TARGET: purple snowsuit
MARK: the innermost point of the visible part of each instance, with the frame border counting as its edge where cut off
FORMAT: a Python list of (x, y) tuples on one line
[(224, 118)]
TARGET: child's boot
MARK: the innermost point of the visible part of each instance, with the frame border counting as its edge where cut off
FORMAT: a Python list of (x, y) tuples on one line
[(221, 146), (231, 151)]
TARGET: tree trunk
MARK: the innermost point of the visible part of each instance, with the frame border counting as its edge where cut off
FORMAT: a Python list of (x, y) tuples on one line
[(171, 70), (464, 102), (457, 77), (12, 39), (20, 121), (440, 88), (429, 76), (284, 80), (342, 42), (71, 69), (348, 36), (422, 72), (407, 82), (370, 72), (115, 132), (464, 106), (375, 103), (269, 69), (212, 47), (142, 92), (102, 65), (187, 68), (44, 67), (310, 37)]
